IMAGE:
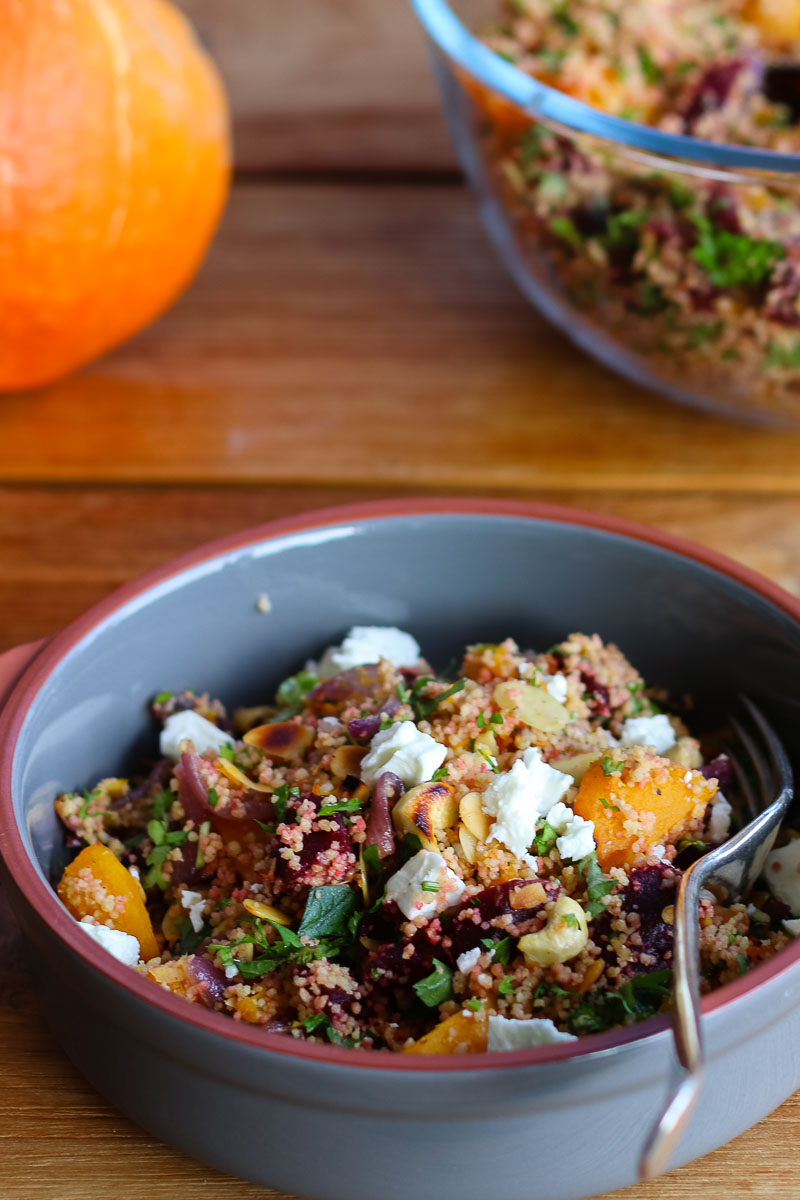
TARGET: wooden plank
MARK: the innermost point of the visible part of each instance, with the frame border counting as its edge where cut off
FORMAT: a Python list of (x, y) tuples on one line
[(366, 333), (319, 85), (61, 548)]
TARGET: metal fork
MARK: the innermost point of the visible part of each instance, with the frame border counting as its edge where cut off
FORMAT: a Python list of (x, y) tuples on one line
[(763, 772)]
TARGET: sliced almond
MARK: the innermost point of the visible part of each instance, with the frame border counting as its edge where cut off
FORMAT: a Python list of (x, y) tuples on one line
[(283, 740), (346, 761), (266, 912), (232, 772), (487, 742), (532, 705), (530, 896), (469, 843), (576, 765), (471, 812), (246, 718)]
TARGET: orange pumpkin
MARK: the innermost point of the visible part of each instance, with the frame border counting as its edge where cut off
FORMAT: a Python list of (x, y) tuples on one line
[(114, 166), (632, 813), (96, 884)]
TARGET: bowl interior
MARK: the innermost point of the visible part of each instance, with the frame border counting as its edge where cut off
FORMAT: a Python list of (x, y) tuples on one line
[(448, 577)]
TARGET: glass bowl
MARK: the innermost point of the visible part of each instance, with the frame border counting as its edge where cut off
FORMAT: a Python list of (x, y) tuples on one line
[(674, 261)]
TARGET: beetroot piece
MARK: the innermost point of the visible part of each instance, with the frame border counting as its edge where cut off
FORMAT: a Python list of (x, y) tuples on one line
[(713, 90), (783, 298), (650, 891), (476, 919), (719, 769), (314, 858), (598, 694), (155, 781), (204, 972), (185, 869), (388, 790)]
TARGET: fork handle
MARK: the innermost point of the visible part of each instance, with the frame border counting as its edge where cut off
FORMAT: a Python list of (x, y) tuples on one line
[(688, 1069)]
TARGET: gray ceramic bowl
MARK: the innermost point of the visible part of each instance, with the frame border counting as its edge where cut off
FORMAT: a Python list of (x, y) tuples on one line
[(562, 1122)]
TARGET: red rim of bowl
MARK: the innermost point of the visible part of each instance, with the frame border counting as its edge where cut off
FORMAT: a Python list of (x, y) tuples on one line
[(44, 900)]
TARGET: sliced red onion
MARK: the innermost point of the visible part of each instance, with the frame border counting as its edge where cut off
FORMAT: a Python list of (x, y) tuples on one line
[(388, 790), (204, 972), (363, 729), (192, 791)]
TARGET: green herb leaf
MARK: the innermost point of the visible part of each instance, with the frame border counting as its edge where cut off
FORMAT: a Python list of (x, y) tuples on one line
[(562, 18), (353, 804), (435, 988), (650, 70), (501, 950), (545, 839), (440, 773), (610, 767), (162, 803), (313, 1022), (213, 797), (474, 1004), (291, 694), (426, 706), (506, 986), (786, 358), (429, 885), (605, 803), (226, 751), (733, 259), (597, 884), (88, 797), (328, 910), (163, 697), (566, 229)]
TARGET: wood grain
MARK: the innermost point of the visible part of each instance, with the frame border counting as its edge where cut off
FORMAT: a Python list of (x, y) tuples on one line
[(377, 317), (319, 85), (63, 547)]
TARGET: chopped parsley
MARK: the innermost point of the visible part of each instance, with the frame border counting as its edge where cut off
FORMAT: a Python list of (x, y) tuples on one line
[(213, 797), (501, 951), (440, 773), (204, 831), (733, 259), (488, 758), (649, 68), (506, 986), (429, 885), (474, 1004), (567, 231), (640, 997), (291, 694), (328, 911), (786, 358), (606, 804), (226, 751), (563, 19), (88, 797), (597, 885), (610, 767), (352, 804), (163, 697), (425, 706), (545, 839), (164, 841), (435, 988)]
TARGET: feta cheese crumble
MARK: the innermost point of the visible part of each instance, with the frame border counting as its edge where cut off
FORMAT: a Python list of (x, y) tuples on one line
[(122, 946), (405, 887), (576, 835), (782, 874), (190, 726), (557, 686), (194, 904), (719, 824), (648, 731), (792, 927), (405, 750), (508, 1034), (367, 644), (466, 961), (517, 798)]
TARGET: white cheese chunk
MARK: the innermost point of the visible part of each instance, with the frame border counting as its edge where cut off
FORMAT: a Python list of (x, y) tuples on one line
[(792, 927), (782, 874), (648, 731), (123, 946), (556, 686), (367, 644), (413, 900), (576, 835), (719, 825), (507, 1034), (190, 726), (194, 904), (405, 750), (517, 798), (466, 961)]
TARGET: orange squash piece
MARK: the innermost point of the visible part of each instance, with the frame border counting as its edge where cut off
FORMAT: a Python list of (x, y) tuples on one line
[(778, 20), (96, 884), (634, 810), (459, 1034)]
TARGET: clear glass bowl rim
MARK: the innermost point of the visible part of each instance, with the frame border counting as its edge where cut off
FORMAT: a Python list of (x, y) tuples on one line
[(460, 45)]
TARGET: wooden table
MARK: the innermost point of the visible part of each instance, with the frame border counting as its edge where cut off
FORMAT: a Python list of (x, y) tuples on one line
[(350, 336)]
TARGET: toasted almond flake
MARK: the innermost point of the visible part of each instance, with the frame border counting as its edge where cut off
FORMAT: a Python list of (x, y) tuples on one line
[(476, 820), (282, 740), (528, 896), (233, 773), (533, 706), (257, 908), (346, 760), (469, 843)]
